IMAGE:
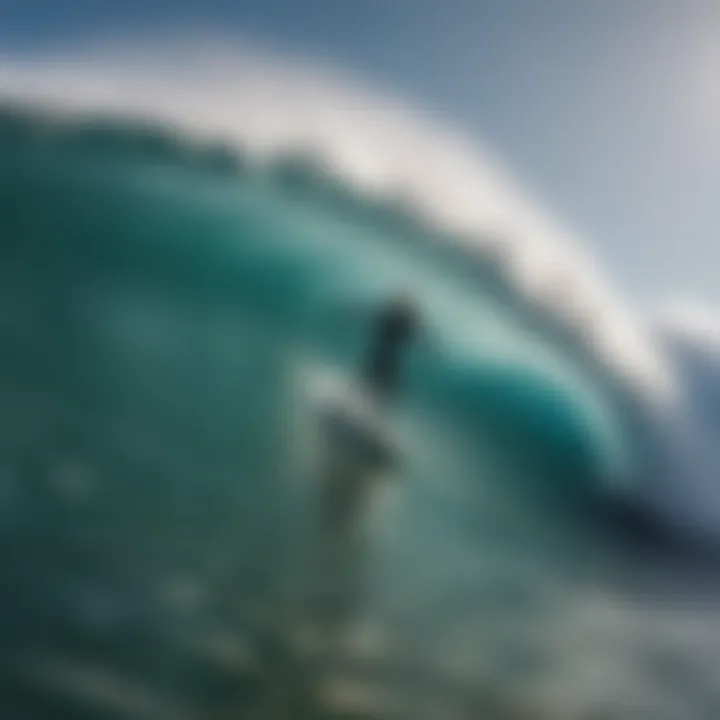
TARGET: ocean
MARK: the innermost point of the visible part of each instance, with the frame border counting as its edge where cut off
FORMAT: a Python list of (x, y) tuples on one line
[(170, 304)]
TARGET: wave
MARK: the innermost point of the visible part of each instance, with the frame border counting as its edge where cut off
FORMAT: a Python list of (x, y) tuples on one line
[(266, 104), (309, 191), (182, 231)]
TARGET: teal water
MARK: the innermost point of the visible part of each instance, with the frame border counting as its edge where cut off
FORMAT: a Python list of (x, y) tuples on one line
[(162, 305)]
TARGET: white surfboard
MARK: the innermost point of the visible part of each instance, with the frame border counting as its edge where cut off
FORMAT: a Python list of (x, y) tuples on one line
[(354, 427), (356, 451)]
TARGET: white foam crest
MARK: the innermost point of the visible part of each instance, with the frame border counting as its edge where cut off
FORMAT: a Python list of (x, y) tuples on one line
[(266, 102)]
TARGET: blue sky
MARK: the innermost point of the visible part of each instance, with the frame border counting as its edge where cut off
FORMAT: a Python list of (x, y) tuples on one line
[(609, 110)]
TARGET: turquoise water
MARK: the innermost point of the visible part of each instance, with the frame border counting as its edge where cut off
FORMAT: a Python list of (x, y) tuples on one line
[(163, 307)]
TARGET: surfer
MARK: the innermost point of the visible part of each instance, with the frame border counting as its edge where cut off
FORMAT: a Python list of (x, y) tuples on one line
[(359, 453)]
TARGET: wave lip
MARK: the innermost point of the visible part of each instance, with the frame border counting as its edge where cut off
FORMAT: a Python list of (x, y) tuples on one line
[(266, 103)]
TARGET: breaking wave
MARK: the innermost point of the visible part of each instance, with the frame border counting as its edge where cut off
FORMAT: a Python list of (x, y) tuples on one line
[(181, 236)]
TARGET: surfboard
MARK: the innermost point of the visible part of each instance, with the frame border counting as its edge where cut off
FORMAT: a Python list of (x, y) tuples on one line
[(356, 430), (356, 452)]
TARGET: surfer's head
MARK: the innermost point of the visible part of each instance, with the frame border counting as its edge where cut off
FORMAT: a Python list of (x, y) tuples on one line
[(396, 326), (399, 317)]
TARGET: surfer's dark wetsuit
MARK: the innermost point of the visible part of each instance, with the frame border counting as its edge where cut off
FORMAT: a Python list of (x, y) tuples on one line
[(395, 327)]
